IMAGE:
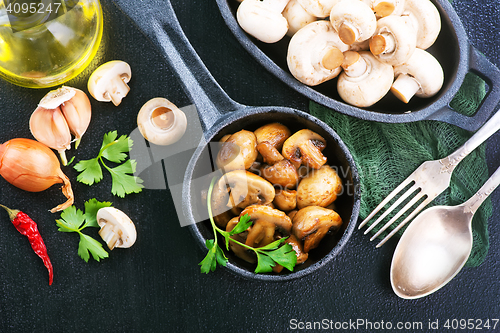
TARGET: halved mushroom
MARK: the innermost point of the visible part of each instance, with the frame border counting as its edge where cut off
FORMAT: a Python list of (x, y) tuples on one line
[(319, 188), (267, 221), (246, 189), (263, 19), (220, 210), (240, 251), (282, 173), (315, 53), (285, 200), (305, 147), (298, 247), (421, 75), (238, 152), (297, 17), (108, 83), (312, 223), (354, 21), (269, 154), (274, 133), (117, 229)]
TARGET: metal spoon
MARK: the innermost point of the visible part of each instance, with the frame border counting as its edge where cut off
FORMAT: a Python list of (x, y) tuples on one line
[(436, 245)]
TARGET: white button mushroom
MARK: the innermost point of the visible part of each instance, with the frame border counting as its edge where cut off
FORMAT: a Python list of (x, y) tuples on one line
[(263, 19), (315, 53), (394, 40), (108, 83), (161, 122), (353, 20), (424, 17), (383, 8), (365, 80), (117, 229), (421, 75), (318, 8), (297, 17)]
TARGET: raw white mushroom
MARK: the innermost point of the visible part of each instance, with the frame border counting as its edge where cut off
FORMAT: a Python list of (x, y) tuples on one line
[(424, 17), (318, 8), (365, 80), (297, 17), (117, 229), (354, 21), (383, 8), (161, 122), (394, 40), (315, 53), (421, 75), (108, 83), (263, 19)]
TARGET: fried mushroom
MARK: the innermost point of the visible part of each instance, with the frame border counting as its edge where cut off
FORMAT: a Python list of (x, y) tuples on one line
[(319, 188), (246, 188), (305, 147), (312, 223), (238, 152)]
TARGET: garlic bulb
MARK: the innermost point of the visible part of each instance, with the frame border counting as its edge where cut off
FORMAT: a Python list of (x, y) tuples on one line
[(59, 114)]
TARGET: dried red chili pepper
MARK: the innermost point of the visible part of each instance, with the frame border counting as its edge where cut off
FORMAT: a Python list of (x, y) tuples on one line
[(27, 227)]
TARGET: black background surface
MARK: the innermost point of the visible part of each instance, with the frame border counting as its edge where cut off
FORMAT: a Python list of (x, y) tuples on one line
[(156, 286)]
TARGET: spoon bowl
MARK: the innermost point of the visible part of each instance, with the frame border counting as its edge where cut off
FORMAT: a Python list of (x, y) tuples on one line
[(436, 245)]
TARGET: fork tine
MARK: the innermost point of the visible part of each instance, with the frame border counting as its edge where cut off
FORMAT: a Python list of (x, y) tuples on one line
[(396, 204), (406, 220), (384, 202), (399, 214)]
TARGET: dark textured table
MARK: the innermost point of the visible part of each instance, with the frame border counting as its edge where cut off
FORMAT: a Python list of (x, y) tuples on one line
[(156, 286)]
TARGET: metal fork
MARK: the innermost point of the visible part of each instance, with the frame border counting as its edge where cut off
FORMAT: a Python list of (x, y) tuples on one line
[(427, 182)]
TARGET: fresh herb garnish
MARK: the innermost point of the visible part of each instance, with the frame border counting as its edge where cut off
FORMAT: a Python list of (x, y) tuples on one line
[(114, 150), (275, 253), (74, 220)]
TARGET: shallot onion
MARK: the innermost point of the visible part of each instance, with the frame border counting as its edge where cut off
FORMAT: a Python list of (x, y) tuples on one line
[(33, 167)]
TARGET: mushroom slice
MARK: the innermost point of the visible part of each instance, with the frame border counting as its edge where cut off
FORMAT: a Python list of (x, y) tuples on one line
[(319, 188), (117, 229), (238, 152), (263, 19), (161, 122), (285, 200), (354, 21), (269, 154), (297, 17), (274, 133), (312, 223), (394, 41), (108, 83), (315, 53), (365, 80), (298, 247), (305, 147), (421, 75), (282, 174), (259, 214), (246, 189)]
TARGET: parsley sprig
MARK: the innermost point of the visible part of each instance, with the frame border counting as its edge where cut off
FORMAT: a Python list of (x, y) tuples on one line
[(74, 220), (115, 150), (275, 253)]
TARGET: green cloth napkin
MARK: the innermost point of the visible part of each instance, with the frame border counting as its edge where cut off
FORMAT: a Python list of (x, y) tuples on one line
[(386, 154)]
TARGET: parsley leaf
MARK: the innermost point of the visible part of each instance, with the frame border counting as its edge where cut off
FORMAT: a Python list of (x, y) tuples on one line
[(268, 256), (74, 220), (115, 150)]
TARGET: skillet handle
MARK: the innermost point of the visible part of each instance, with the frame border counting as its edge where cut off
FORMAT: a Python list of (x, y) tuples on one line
[(157, 20), (482, 67)]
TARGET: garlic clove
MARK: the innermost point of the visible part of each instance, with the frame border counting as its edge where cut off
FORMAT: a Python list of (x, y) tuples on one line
[(49, 127), (77, 112), (161, 122)]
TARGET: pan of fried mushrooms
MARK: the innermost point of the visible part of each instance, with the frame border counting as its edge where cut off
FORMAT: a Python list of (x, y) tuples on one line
[(284, 174), (392, 61)]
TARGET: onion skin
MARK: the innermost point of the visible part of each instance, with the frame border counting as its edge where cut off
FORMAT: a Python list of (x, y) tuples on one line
[(33, 167)]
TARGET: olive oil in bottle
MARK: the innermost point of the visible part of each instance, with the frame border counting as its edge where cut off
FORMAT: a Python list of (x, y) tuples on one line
[(44, 43)]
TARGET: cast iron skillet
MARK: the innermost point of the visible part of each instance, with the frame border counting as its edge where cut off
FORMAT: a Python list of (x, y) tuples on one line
[(220, 115), (452, 49)]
